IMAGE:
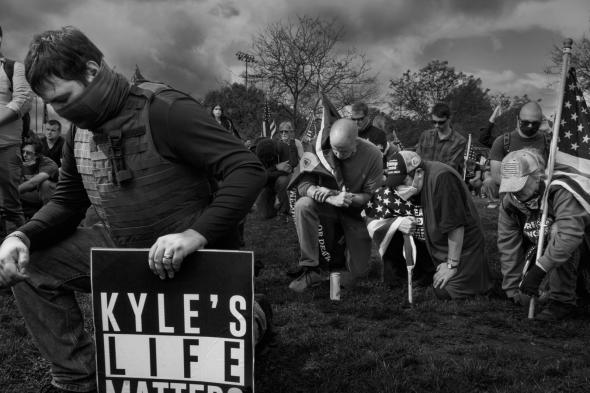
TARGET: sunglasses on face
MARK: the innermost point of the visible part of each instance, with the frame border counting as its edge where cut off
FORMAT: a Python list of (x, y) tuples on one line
[(439, 122), (283, 132), (527, 123)]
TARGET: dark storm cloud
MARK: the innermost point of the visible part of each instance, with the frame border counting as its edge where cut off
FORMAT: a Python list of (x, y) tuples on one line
[(225, 10), (385, 19), (171, 55), (21, 19)]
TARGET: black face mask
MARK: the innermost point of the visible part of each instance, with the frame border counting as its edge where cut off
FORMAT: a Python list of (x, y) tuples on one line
[(100, 101), (529, 128), (534, 202)]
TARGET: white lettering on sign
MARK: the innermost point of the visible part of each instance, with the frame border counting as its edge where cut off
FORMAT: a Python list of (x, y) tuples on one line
[(181, 358), (162, 316), (137, 307), (165, 387), (106, 307), (190, 313), (237, 329)]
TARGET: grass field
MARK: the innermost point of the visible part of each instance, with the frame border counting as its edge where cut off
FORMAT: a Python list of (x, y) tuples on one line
[(372, 340)]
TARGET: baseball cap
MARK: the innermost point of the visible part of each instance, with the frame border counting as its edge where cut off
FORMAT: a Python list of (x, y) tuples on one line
[(516, 168), (400, 164)]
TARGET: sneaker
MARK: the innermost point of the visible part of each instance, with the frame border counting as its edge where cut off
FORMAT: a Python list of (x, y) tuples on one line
[(49, 388), (311, 277), (295, 271), (520, 299), (492, 205), (555, 311)]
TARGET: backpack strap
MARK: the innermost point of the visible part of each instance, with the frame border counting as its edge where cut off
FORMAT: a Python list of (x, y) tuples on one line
[(8, 66), (506, 143)]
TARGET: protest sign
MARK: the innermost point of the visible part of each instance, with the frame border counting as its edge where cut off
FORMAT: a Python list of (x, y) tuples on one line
[(189, 334)]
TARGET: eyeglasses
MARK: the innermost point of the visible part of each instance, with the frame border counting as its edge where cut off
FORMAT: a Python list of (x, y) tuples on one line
[(527, 123), (358, 119), (439, 122)]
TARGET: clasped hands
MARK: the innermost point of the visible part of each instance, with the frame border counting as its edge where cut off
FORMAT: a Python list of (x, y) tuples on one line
[(333, 197)]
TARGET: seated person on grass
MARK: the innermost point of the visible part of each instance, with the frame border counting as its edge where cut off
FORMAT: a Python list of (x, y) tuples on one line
[(354, 172), (274, 155), (38, 178)]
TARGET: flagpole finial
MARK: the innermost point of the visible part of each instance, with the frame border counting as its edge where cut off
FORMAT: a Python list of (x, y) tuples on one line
[(567, 43)]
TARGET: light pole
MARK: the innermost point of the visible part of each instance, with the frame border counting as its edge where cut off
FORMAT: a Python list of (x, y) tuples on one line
[(246, 58)]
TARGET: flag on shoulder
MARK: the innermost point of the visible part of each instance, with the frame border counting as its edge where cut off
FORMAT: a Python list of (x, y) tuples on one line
[(322, 145), (319, 160), (572, 159)]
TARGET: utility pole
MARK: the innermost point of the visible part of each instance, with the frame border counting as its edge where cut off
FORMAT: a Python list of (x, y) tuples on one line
[(246, 58)]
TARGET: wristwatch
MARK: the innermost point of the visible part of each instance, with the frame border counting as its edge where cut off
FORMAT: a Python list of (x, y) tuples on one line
[(452, 265)]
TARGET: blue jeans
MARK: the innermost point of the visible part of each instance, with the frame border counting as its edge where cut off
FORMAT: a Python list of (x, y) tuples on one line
[(10, 171), (48, 305)]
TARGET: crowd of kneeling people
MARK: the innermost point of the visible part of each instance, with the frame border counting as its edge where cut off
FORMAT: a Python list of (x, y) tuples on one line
[(356, 190)]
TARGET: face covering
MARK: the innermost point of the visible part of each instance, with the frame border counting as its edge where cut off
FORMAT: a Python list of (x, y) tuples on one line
[(100, 101), (534, 203), (406, 192), (530, 131)]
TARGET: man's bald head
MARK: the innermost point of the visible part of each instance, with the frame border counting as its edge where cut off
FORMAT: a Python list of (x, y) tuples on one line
[(531, 111), (343, 135)]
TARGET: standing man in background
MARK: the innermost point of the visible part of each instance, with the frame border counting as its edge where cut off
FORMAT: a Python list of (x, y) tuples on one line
[(366, 130), (442, 143), (15, 102)]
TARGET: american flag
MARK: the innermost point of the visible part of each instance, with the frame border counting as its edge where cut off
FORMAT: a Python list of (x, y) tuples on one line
[(382, 211), (572, 159), (268, 126)]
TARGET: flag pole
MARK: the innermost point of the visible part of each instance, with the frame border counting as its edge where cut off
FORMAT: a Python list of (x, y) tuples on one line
[(467, 157), (567, 51), (410, 257)]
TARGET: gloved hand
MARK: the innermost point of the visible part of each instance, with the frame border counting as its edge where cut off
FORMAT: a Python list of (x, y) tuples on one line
[(531, 281)]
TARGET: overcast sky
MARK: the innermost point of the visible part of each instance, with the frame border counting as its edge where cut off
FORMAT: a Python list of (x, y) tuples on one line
[(191, 44)]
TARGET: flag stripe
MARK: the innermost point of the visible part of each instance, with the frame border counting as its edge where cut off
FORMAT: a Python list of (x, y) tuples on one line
[(382, 231)]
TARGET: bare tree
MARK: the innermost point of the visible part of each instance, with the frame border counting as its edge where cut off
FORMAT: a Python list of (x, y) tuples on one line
[(297, 57)]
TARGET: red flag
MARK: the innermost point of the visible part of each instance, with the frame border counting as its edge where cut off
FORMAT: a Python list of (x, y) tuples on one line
[(572, 159)]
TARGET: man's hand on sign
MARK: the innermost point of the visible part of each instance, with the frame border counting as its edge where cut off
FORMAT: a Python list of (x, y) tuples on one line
[(407, 225), (14, 256), (168, 252)]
